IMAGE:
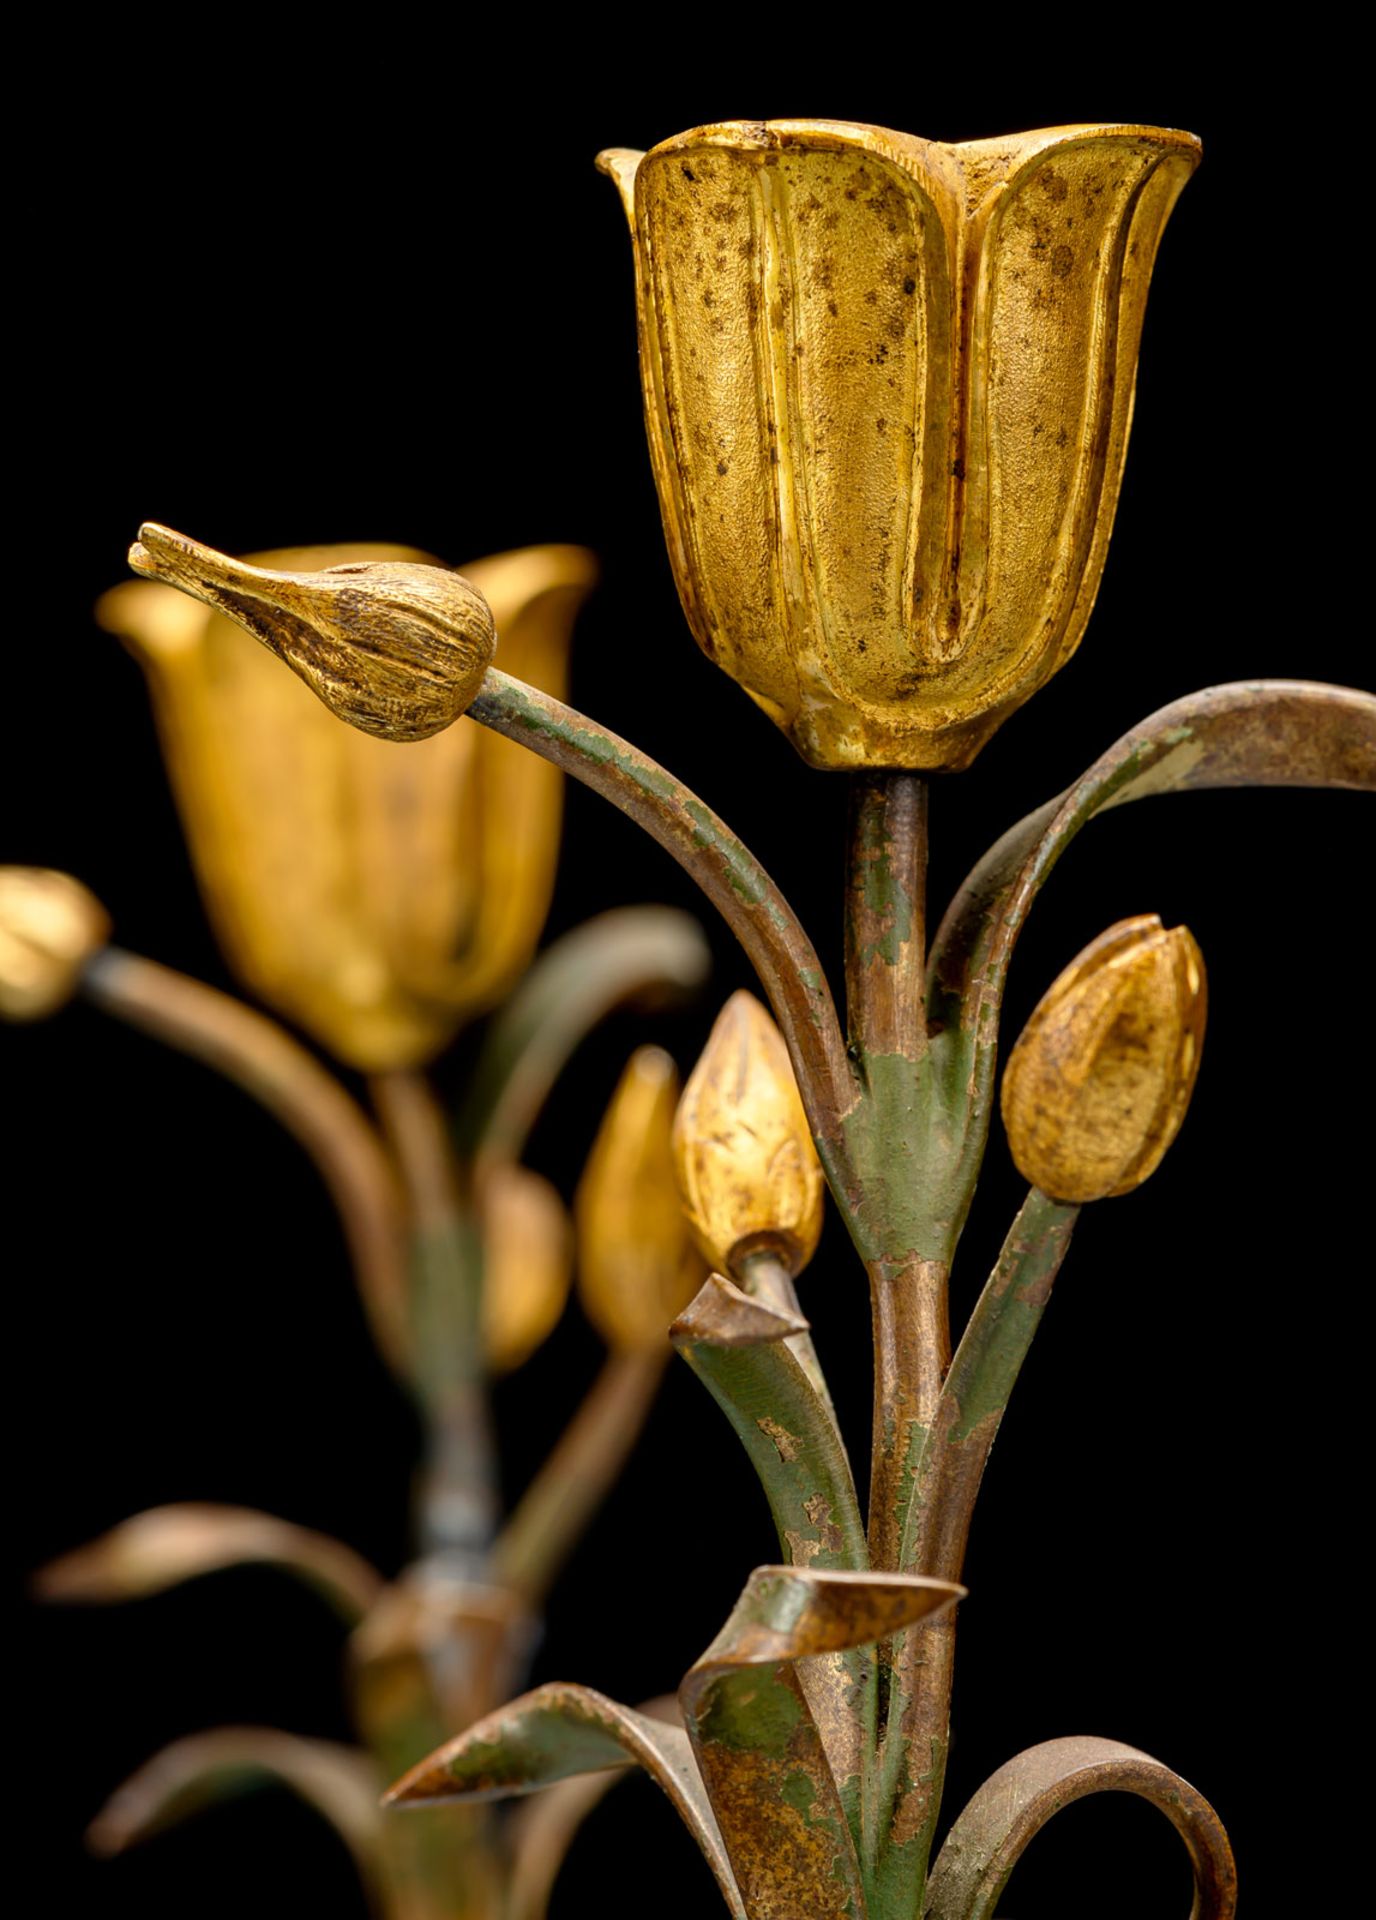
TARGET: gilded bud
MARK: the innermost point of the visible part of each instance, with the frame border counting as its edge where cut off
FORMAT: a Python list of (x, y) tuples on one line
[(888, 386), (50, 926), (1097, 1086), (747, 1169), (637, 1268), (396, 649), (527, 1264)]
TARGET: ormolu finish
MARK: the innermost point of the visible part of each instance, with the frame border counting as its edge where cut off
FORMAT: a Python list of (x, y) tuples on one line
[(636, 1264), (397, 648), (887, 389), (375, 896), (1099, 1082), (747, 1168), (50, 926)]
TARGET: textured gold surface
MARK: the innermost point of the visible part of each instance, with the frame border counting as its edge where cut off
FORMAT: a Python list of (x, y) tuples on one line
[(375, 894), (1098, 1084), (636, 1265), (747, 1169), (888, 386), (527, 1264), (50, 926), (397, 648)]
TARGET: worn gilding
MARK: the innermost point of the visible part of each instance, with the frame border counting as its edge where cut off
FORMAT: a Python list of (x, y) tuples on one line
[(374, 894), (747, 1169), (888, 386), (1098, 1084)]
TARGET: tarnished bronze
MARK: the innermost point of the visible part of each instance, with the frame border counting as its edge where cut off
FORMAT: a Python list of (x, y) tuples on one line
[(1015, 1803)]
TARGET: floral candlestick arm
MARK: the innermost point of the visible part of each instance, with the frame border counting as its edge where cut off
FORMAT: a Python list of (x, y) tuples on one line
[(888, 385)]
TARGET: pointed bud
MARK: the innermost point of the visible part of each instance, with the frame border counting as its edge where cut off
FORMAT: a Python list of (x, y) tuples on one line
[(1097, 1086), (747, 1169), (395, 648), (50, 926), (527, 1264), (636, 1264)]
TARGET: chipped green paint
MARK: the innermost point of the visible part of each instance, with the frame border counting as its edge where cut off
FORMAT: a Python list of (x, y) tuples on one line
[(755, 1710), (793, 1446), (883, 895), (905, 1180)]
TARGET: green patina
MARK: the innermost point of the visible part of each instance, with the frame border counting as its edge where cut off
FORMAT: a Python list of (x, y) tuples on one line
[(1007, 1316), (793, 1446), (754, 1711), (903, 1147)]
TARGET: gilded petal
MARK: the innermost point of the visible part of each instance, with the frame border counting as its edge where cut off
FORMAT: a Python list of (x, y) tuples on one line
[(350, 881)]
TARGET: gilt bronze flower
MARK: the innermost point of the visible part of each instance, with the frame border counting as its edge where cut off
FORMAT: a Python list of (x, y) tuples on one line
[(888, 385)]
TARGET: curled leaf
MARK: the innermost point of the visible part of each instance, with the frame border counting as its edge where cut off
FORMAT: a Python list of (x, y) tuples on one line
[(166, 1545), (554, 1733), (340, 1783), (1014, 1804), (783, 1818)]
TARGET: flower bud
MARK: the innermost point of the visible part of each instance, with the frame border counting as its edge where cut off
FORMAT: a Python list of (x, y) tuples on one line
[(637, 1269), (1098, 1083), (747, 1169), (50, 926), (527, 1264), (396, 649)]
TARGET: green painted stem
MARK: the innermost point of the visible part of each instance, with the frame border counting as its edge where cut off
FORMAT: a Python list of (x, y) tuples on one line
[(764, 1277), (936, 1526), (727, 872), (629, 954), (458, 1496)]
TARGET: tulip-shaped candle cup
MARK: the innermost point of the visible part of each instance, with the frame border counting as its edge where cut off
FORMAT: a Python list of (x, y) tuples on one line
[(887, 389)]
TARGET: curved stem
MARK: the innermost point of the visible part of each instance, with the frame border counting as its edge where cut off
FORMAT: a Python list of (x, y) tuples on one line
[(940, 1499), (727, 872), (259, 1056), (627, 954), (459, 1497), (574, 1480)]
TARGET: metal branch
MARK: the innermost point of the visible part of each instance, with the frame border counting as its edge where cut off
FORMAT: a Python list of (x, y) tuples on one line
[(259, 1056), (704, 846)]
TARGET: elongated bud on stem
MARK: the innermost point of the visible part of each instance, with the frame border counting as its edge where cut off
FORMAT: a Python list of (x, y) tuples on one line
[(50, 926), (747, 1169), (395, 648), (1097, 1086), (527, 1264), (636, 1265)]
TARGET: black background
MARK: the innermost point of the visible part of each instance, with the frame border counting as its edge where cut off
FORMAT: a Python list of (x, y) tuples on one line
[(375, 290)]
